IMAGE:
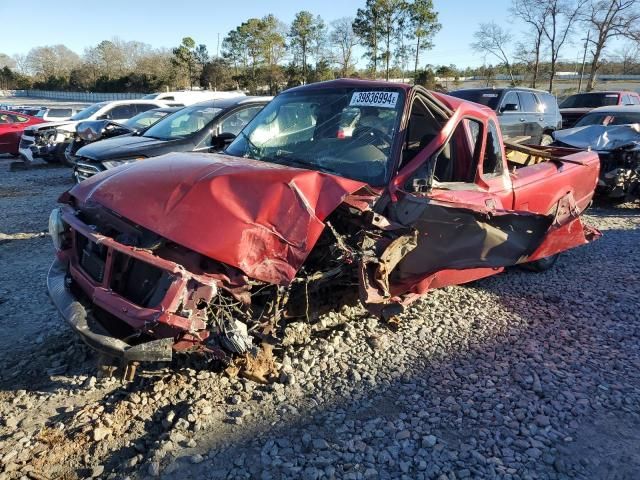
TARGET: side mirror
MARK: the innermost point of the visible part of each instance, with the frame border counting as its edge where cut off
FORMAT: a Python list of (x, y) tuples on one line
[(104, 116), (219, 142), (510, 107)]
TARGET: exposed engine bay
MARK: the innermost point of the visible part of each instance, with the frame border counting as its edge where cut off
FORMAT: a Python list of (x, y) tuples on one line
[(619, 149)]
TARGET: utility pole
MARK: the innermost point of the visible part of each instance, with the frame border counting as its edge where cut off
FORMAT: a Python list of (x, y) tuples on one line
[(584, 60)]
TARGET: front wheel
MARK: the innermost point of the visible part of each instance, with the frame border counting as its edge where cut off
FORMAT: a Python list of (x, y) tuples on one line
[(68, 157), (541, 265)]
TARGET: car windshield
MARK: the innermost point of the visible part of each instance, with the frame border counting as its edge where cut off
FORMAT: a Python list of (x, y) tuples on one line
[(488, 98), (609, 118), (183, 123), (144, 119), (590, 100), (87, 112), (348, 132)]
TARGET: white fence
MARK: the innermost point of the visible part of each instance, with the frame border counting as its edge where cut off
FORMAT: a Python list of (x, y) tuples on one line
[(85, 97)]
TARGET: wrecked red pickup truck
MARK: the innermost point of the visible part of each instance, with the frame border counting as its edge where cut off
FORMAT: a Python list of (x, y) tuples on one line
[(378, 189)]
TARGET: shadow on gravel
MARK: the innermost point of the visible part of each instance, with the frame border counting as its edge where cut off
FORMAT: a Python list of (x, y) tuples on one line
[(48, 365), (563, 359)]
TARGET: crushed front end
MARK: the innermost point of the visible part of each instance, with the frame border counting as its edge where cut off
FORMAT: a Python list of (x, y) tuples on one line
[(620, 172), (47, 142), (118, 294), (132, 294)]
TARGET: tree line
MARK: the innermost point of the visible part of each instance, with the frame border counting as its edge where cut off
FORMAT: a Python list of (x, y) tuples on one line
[(265, 55), (261, 55)]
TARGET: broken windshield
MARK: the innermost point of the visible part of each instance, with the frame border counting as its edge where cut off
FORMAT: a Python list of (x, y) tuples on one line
[(349, 132)]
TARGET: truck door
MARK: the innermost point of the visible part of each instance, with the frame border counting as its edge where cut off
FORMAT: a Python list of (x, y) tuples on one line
[(464, 220), (512, 120)]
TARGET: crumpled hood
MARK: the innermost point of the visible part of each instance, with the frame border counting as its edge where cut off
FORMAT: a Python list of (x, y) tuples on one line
[(93, 130), (69, 126), (600, 137), (259, 217)]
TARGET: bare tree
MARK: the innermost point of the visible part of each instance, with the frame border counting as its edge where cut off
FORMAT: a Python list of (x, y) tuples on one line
[(561, 18), (491, 38), (51, 61), (534, 14), (628, 57), (608, 19), (21, 63), (343, 40)]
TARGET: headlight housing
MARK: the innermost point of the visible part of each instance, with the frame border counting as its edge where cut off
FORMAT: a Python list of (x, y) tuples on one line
[(57, 228), (109, 164)]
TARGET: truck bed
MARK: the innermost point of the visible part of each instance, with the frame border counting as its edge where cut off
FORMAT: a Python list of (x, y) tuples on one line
[(550, 169)]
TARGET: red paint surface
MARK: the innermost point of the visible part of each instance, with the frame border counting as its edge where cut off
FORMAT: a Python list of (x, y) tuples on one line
[(10, 133), (259, 217)]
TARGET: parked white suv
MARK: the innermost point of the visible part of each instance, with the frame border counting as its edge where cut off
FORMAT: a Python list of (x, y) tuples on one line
[(189, 97), (49, 140), (56, 114)]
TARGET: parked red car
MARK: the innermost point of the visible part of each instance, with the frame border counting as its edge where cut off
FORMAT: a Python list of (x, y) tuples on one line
[(214, 251), (12, 125)]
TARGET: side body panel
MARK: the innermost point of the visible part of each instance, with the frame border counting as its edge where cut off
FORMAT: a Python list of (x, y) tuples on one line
[(459, 234)]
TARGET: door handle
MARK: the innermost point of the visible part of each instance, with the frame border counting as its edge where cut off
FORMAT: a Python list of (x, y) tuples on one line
[(522, 119)]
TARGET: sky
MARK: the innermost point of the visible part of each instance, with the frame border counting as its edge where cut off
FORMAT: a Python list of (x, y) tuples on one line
[(163, 23)]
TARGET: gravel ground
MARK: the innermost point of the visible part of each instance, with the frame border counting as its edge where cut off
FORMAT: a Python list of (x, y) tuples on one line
[(521, 375)]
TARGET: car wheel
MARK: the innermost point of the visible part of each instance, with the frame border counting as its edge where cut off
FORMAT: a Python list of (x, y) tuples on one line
[(546, 140), (50, 158), (541, 265), (67, 156)]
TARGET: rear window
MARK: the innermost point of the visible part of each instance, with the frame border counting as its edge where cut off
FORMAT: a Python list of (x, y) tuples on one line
[(590, 100), (547, 102), (608, 118), (488, 98), (59, 112)]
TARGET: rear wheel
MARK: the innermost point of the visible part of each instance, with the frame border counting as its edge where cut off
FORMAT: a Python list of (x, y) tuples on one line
[(541, 265)]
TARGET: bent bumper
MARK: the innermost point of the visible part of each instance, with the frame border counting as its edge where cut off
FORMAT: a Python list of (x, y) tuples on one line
[(92, 333), (26, 154)]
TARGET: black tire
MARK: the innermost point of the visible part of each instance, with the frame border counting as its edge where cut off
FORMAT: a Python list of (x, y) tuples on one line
[(51, 159), (541, 265), (60, 156), (67, 157), (546, 140)]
